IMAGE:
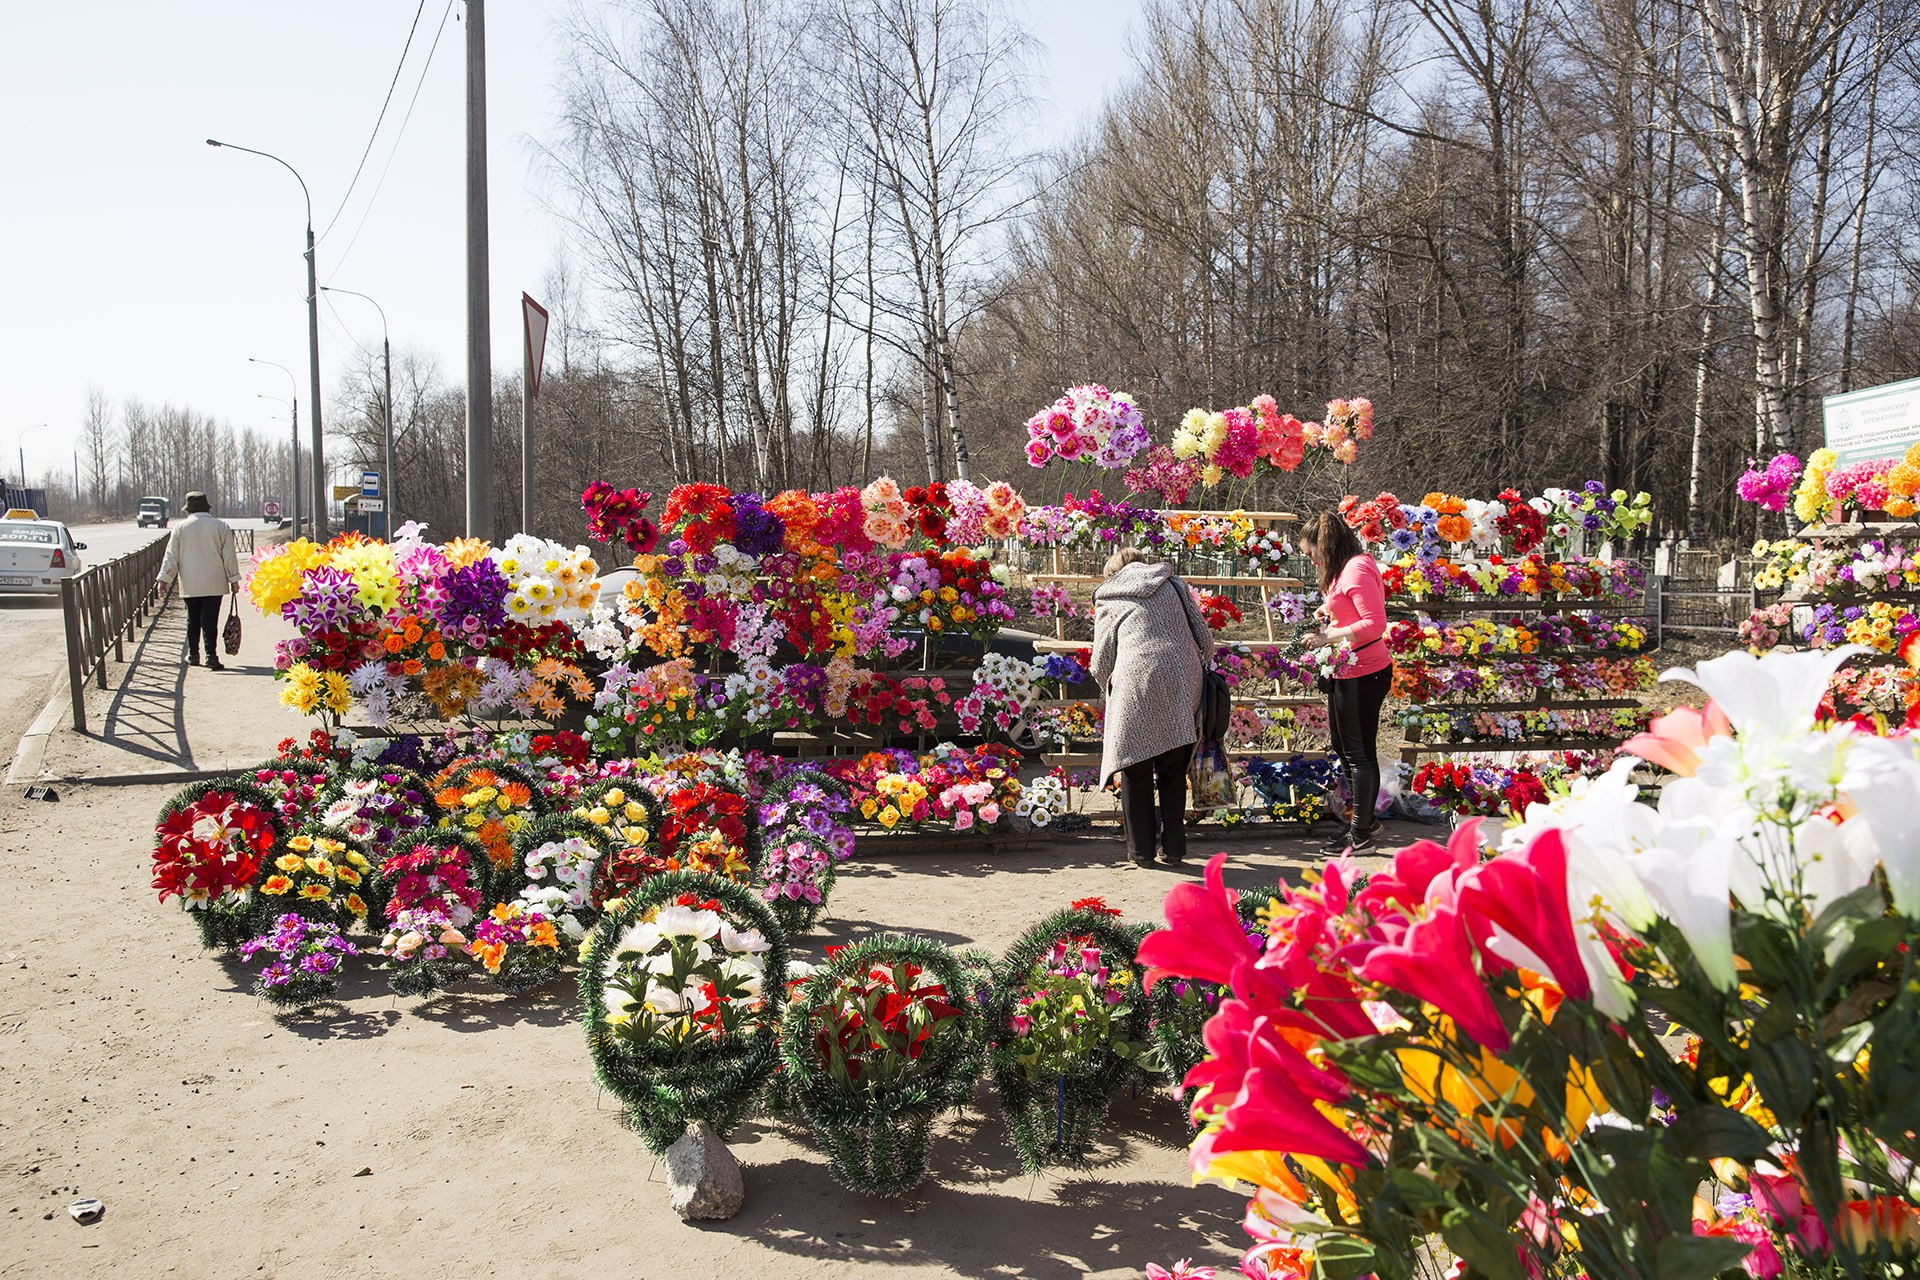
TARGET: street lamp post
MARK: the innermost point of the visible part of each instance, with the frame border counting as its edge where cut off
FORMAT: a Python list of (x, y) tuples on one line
[(313, 342), (294, 400), (20, 447), (386, 412)]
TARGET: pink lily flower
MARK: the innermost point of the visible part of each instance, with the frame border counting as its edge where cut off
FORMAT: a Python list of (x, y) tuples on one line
[(1434, 962), (1516, 905)]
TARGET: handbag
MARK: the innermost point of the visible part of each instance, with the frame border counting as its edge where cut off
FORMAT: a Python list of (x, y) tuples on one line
[(1216, 706), (230, 637)]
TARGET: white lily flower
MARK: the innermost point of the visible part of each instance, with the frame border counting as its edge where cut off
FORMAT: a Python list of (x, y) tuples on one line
[(741, 940), (1883, 782), (687, 922), (1686, 874), (1776, 695)]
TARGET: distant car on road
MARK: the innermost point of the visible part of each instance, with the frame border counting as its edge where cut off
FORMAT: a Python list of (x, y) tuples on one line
[(152, 511), (36, 554), (270, 511)]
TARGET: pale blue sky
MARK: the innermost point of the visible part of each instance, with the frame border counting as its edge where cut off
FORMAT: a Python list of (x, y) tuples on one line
[(138, 258)]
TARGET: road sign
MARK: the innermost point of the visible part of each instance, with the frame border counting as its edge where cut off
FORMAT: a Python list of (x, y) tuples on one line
[(370, 504), (270, 509), (369, 484), (341, 492)]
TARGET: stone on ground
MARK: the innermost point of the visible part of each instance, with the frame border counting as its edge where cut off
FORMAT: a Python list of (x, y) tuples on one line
[(703, 1178)]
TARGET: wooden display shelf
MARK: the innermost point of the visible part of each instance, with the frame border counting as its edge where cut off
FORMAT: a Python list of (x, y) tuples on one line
[(1238, 700), (1243, 580), (1502, 746), (1874, 529), (1538, 704), (1500, 604)]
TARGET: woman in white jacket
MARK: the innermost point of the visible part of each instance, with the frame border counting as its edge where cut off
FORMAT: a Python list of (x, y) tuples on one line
[(201, 554), (1150, 650)]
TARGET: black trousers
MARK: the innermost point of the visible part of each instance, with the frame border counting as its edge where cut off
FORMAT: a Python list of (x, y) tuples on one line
[(1164, 777), (1353, 719), (203, 622)]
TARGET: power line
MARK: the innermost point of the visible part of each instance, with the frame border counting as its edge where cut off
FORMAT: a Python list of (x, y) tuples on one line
[(377, 120), (398, 135)]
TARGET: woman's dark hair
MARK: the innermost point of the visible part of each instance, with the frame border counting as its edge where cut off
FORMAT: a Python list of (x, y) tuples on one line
[(1333, 545)]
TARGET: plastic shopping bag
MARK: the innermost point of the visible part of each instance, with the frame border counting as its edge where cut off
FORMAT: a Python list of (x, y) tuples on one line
[(1209, 780)]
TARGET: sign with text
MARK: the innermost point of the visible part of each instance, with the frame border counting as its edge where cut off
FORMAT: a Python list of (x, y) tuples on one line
[(370, 484), (1880, 422)]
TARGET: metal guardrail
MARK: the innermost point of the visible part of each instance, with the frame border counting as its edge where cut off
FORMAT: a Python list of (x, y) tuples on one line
[(102, 605)]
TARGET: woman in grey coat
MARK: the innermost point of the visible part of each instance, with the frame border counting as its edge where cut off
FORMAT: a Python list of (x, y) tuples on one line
[(1150, 647)]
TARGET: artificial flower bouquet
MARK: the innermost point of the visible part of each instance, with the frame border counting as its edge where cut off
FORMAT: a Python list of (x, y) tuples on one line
[(1104, 427), (372, 806), (1487, 787), (516, 945), (488, 800), (1640, 1039), (433, 890), (681, 987), (305, 959), (878, 1042), (795, 875), (1068, 1024), (317, 876)]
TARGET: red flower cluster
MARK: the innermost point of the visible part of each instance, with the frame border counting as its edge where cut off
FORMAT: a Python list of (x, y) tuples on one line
[(1096, 905), (429, 876), (1219, 611), (211, 847), (619, 514), (1372, 520), (930, 509), (566, 746), (884, 1019), (702, 514), (695, 810), (319, 746), (1524, 527)]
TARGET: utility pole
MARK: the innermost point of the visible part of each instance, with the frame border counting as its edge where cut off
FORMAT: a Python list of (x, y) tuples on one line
[(479, 335)]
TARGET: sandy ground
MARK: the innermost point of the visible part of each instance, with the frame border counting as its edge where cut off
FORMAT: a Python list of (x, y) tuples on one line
[(465, 1136)]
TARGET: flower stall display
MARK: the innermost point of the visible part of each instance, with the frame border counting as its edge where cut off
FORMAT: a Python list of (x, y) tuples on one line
[(1635, 1033), (1068, 1023), (464, 628), (303, 961), (681, 988), (1504, 787), (1504, 636), (879, 1042), (1847, 584), (1232, 441), (210, 843)]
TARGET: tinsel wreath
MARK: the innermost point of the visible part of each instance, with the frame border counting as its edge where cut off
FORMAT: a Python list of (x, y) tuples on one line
[(782, 787), (877, 1140), (1053, 1122), (550, 829), (421, 976), (595, 795), (1177, 1031), (458, 770), (224, 926), (664, 1085), (797, 915)]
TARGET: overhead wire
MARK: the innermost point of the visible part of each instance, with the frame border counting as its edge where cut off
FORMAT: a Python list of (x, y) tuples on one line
[(399, 134), (378, 120)]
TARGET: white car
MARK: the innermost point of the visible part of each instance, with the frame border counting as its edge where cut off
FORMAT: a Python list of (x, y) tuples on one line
[(36, 554)]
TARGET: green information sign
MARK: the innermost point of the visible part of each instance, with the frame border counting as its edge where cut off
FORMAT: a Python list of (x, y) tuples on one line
[(1880, 422)]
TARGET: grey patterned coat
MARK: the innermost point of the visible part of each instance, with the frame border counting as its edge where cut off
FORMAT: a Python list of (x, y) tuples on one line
[(1149, 647)]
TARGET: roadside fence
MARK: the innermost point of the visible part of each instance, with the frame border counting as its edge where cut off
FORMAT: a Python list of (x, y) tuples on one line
[(102, 606)]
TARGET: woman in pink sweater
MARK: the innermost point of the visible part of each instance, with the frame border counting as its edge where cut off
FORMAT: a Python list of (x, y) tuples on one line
[(1355, 613)]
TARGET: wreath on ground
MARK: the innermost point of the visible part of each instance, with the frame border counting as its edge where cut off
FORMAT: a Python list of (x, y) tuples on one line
[(669, 1080), (1054, 1102), (877, 1133)]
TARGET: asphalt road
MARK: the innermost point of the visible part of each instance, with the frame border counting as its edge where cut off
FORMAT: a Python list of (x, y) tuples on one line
[(33, 647)]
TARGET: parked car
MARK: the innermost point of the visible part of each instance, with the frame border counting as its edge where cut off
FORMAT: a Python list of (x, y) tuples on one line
[(152, 511), (36, 554)]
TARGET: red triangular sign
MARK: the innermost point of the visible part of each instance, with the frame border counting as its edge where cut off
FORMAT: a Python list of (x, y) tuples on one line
[(535, 317)]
